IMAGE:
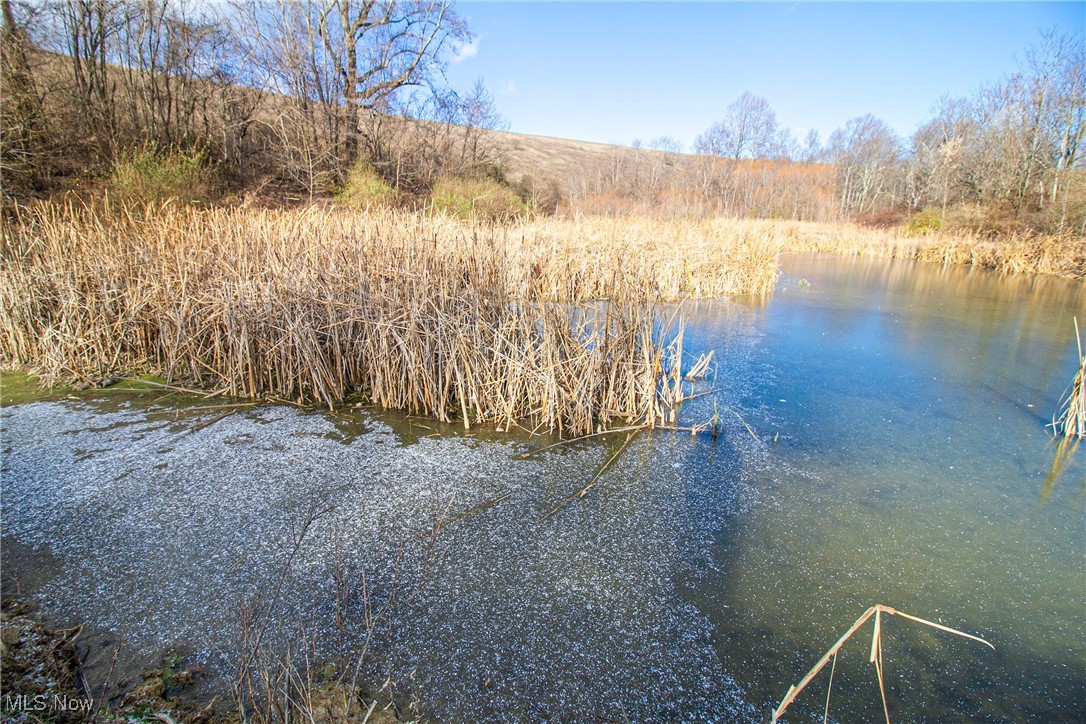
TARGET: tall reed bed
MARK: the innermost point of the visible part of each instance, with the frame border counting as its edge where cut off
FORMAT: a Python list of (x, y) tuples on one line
[(555, 322), (696, 259)]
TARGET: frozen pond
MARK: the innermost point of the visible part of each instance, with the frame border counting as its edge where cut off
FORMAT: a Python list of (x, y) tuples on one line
[(695, 581)]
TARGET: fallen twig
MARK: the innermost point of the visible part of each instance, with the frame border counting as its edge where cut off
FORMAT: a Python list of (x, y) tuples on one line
[(584, 491)]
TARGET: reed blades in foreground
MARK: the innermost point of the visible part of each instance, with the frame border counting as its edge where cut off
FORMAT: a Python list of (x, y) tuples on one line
[(875, 658)]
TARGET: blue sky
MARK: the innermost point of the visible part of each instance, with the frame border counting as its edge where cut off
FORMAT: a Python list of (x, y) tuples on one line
[(616, 71)]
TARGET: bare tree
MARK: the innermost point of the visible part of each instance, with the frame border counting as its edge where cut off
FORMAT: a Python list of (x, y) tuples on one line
[(749, 130), (811, 150), (87, 31), (660, 163), (378, 48), (666, 144), (339, 65), (238, 94), (865, 152), (478, 112), (938, 155), (167, 50), (1063, 60), (21, 122)]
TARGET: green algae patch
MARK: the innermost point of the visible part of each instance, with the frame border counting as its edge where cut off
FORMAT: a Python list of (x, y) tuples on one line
[(17, 388)]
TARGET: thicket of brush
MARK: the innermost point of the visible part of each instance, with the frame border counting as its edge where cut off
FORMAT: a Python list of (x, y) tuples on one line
[(557, 322), (477, 198), (144, 176)]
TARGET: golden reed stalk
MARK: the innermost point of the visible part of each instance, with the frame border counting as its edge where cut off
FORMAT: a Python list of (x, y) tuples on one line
[(556, 321)]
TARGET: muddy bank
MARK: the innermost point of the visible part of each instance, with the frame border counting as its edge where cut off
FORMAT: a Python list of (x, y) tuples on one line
[(82, 674)]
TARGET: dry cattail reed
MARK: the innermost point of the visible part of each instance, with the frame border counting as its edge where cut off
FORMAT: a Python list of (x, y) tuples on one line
[(1070, 417), (553, 321), (1058, 255)]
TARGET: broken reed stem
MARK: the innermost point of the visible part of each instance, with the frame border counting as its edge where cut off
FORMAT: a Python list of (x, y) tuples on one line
[(875, 657), (595, 478), (559, 322), (1070, 417), (740, 417), (480, 508), (829, 690), (567, 441), (701, 366)]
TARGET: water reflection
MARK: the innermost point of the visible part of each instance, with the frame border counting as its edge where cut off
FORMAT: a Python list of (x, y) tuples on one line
[(912, 456), (1065, 448)]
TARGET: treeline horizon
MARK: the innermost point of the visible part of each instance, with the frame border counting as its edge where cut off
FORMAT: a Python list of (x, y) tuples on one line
[(299, 95), (1008, 157)]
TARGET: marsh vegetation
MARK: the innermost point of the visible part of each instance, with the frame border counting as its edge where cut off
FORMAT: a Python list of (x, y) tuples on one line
[(558, 324), (561, 324), (1069, 421), (687, 561), (213, 196)]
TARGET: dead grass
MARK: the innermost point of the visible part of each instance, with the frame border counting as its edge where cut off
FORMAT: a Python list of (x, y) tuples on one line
[(667, 260), (1063, 256), (557, 322)]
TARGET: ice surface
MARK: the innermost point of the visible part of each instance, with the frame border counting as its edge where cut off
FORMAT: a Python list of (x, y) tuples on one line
[(163, 531)]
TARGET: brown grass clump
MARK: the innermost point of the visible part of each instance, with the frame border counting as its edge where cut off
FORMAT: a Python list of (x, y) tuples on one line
[(553, 321)]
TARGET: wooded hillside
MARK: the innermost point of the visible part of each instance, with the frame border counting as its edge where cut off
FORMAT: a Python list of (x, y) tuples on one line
[(296, 96)]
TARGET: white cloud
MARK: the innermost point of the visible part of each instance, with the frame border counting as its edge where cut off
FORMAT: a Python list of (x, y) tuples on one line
[(467, 50), (509, 88)]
